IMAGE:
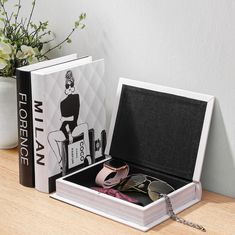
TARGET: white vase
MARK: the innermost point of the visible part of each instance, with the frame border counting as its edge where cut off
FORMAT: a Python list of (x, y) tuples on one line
[(8, 113)]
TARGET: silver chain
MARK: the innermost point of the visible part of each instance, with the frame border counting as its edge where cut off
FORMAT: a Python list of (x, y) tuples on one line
[(178, 219)]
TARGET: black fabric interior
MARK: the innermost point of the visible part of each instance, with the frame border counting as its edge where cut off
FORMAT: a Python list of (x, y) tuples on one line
[(158, 131), (157, 134), (87, 178)]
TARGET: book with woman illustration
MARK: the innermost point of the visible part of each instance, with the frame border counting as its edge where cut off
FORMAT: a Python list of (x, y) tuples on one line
[(69, 119)]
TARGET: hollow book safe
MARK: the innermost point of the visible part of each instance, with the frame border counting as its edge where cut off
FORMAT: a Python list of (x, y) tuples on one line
[(160, 133)]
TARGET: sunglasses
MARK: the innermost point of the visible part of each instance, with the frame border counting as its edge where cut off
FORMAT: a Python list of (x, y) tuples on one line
[(153, 187), (67, 85)]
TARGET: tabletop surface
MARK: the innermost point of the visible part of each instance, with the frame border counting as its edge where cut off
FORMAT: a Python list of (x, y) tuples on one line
[(26, 211)]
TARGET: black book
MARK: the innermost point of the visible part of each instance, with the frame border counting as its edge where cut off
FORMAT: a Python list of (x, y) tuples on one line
[(25, 121)]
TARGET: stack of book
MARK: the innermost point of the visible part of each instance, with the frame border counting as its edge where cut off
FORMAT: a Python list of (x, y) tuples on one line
[(61, 118), (160, 132)]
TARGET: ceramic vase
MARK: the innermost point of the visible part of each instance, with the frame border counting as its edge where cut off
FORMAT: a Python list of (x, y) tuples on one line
[(8, 113)]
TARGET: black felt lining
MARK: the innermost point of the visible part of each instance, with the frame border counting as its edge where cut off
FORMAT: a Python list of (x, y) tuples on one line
[(158, 131), (87, 177), (157, 134)]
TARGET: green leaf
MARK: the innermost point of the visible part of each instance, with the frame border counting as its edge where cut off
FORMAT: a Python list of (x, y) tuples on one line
[(82, 16), (77, 24), (69, 40)]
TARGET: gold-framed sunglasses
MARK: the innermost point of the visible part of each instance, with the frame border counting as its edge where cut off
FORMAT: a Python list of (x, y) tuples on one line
[(146, 184)]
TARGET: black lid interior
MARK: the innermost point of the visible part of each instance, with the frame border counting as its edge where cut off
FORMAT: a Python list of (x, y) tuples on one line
[(158, 130)]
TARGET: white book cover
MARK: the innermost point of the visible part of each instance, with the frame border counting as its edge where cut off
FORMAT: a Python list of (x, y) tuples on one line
[(160, 132), (69, 119)]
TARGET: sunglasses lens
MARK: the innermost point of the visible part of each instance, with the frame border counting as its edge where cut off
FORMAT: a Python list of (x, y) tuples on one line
[(153, 196), (156, 188), (132, 181)]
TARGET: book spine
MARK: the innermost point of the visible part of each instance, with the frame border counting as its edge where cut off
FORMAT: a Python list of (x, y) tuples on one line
[(39, 132), (25, 128)]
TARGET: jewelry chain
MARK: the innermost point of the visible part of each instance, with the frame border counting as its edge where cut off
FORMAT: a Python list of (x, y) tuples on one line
[(178, 219)]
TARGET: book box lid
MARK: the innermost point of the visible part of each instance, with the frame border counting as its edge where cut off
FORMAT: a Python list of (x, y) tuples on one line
[(160, 128)]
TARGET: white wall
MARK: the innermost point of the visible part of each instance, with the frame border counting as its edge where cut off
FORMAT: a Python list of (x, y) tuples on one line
[(188, 44)]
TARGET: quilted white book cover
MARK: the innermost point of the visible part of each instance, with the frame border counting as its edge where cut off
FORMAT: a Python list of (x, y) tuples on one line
[(69, 119)]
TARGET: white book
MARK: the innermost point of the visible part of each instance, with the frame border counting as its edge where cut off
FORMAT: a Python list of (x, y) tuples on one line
[(159, 132), (69, 119)]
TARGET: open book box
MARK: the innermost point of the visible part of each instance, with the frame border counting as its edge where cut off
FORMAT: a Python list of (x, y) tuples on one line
[(158, 131)]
